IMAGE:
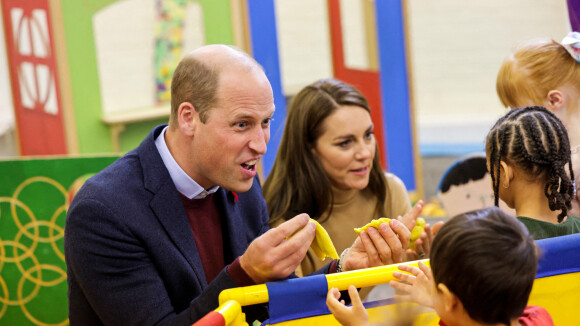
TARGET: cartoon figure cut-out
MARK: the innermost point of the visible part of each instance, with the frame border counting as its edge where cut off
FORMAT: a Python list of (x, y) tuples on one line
[(466, 186)]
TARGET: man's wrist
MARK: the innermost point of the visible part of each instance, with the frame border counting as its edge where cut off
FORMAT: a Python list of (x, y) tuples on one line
[(238, 274), (340, 263)]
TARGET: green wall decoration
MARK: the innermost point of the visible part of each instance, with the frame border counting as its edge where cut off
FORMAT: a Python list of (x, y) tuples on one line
[(34, 198), (93, 135)]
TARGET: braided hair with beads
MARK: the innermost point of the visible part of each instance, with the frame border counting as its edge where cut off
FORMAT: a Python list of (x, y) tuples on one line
[(535, 140)]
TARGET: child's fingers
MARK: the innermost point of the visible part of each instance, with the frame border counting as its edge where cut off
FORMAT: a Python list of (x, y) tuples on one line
[(332, 299), (425, 269), (404, 277), (435, 227), (409, 269), (354, 296), (334, 292), (401, 286)]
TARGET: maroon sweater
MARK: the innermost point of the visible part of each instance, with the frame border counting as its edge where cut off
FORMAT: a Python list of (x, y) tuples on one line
[(205, 223)]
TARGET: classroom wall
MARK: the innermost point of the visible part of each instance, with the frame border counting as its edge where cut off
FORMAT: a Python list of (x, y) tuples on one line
[(455, 49)]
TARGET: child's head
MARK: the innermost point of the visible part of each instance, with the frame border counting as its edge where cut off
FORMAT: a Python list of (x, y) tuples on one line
[(534, 70), (487, 259), (534, 140)]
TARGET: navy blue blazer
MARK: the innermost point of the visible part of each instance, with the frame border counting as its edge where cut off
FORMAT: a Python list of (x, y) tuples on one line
[(130, 253)]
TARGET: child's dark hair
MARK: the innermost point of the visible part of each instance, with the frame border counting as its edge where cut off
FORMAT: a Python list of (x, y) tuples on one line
[(535, 140), (488, 260)]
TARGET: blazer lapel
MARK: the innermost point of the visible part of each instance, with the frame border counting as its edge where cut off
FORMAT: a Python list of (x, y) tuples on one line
[(167, 205), (171, 214)]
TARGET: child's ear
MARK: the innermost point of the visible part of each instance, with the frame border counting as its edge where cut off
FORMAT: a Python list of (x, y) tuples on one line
[(555, 100), (507, 174), (450, 301)]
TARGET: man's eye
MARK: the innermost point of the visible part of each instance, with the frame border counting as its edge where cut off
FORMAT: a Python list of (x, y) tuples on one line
[(241, 124), (267, 121)]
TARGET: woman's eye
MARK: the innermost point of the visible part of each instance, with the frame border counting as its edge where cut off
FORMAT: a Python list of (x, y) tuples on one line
[(344, 143)]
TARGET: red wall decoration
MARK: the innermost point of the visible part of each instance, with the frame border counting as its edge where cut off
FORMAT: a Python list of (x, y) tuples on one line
[(35, 91)]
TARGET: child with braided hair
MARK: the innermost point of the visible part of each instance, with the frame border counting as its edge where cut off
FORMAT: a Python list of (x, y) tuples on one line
[(547, 73), (527, 152)]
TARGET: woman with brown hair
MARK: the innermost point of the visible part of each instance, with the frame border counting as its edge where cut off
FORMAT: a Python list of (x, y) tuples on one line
[(328, 166)]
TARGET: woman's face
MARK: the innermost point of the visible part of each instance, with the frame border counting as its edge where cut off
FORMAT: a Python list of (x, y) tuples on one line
[(346, 148)]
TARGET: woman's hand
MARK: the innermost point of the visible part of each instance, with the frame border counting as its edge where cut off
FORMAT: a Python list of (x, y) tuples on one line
[(373, 247), (423, 244)]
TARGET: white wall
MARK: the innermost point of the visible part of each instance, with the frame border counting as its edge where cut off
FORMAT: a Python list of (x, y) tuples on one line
[(457, 48), (6, 109), (125, 51), (7, 141)]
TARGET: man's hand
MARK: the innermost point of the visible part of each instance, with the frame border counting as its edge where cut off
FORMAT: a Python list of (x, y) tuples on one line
[(274, 256), (373, 247), (347, 316), (418, 287)]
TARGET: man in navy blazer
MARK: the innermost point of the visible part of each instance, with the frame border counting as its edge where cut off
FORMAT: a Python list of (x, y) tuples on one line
[(156, 236)]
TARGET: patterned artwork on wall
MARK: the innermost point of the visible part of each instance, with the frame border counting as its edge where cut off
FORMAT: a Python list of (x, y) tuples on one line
[(168, 44), (34, 198)]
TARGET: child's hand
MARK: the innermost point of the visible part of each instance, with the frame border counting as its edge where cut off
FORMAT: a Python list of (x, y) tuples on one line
[(419, 287), (347, 316)]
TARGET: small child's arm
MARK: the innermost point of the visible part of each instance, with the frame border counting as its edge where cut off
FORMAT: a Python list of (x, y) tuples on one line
[(356, 315), (418, 287)]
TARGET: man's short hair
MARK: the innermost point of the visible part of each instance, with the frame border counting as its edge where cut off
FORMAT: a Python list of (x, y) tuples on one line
[(488, 260), (194, 82)]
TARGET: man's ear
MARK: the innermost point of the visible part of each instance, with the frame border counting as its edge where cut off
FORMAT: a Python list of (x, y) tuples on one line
[(507, 173), (450, 301), (187, 118), (555, 100)]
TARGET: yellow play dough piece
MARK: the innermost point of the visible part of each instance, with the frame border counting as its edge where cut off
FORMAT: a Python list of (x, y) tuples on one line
[(415, 233), (322, 244), (374, 223)]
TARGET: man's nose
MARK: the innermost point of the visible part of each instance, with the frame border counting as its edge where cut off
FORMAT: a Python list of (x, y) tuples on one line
[(259, 140)]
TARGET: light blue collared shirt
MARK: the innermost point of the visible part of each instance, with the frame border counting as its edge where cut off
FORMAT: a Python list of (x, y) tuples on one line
[(183, 182)]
